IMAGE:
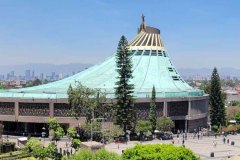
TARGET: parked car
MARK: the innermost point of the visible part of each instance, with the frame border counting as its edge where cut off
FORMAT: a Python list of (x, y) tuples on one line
[(164, 135)]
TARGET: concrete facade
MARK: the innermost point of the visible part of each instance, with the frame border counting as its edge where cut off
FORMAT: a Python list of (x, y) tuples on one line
[(188, 113)]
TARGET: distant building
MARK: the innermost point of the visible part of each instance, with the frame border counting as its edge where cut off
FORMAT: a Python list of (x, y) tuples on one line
[(237, 88), (28, 75), (41, 77)]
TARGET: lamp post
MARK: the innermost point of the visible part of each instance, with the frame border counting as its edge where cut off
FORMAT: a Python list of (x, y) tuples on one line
[(43, 134)]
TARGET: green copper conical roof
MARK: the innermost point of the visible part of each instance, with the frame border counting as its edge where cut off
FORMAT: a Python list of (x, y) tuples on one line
[(151, 66)]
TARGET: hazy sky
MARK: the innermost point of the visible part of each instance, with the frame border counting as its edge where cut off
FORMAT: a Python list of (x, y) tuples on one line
[(197, 34)]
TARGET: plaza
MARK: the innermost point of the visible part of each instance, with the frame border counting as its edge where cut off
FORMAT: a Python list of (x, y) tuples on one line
[(202, 147)]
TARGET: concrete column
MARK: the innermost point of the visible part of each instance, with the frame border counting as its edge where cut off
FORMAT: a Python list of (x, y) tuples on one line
[(25, 127), (165, 108), (51, 109), (189, 116), (16, 110), (189, 108), (186, 125)]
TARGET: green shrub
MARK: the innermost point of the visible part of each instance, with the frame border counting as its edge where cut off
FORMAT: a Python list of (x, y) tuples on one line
[(37, 150), (238, 128), (98, 155), (236, 103), (76, 143), (215, 128), (164, 124), (6, 147), (158, 152), (105, 155), (143, 126), (82, 155)]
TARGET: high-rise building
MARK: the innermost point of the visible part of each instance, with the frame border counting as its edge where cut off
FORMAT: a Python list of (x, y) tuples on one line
[(33, 75), (41, 76), (28, 75)]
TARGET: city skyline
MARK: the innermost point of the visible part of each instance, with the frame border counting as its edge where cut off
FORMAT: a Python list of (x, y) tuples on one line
[(88, 31)]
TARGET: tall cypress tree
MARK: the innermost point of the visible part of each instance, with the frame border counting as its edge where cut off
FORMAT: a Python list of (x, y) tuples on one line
[(153, 110), (125, 111), (217, 108)]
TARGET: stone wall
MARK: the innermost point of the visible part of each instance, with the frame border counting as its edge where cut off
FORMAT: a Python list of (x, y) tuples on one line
[(177, 108), (199, 107), (33, 109), (7, 108), (195, 124), (142, 110)]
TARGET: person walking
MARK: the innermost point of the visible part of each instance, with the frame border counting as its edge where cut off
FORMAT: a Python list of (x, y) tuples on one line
[(214, 144), (224, 140), (183, 142)]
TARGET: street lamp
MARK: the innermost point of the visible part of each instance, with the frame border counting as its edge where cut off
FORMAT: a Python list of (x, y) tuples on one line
[(43, 134)]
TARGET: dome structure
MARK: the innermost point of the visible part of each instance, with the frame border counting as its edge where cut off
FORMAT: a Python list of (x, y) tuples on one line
[(151, 67)]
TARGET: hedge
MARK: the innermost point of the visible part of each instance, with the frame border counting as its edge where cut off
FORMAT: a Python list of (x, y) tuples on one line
[(158, 152), (101, 154)]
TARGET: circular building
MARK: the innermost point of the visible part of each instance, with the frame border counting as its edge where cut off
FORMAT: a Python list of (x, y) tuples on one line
[(26, 110)]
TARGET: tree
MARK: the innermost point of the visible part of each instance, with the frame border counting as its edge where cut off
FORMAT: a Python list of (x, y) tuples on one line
[(125, 110), (143, 127), (96, 130), (217, 108), (37, 150), (36, 82), (164, 124), (1, 130), (56, 131), (31, 83), (153, 110), (205, 85), (52, 152), (71, 132), (52, 124), (87, 101), (76, 143), (237, 117), (2, 86), (113, 131)]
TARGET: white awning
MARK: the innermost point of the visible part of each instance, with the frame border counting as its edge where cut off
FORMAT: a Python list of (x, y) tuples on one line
[(22, 139), (232, 121)]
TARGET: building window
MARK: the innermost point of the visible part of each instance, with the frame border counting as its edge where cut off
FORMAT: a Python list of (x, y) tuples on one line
[(175, 78), (146, 53), (170, 69), (154, 53), (139, 53)]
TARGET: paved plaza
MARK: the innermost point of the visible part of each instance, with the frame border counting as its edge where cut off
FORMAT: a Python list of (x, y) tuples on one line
[(202, 147)]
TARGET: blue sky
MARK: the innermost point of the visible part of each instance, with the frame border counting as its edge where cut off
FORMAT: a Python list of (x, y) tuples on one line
[(197, 34)]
